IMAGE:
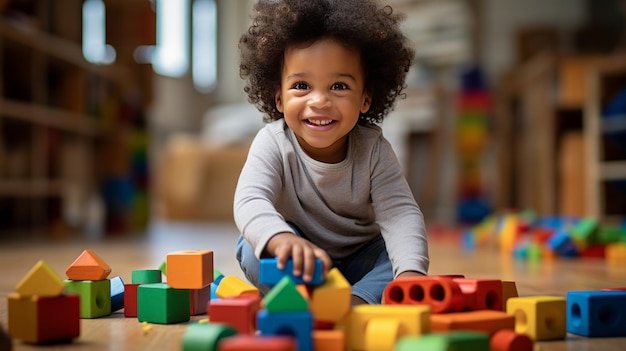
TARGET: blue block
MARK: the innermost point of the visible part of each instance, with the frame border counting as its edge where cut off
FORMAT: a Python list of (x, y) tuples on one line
[(297, 324), (271, 275), (117, 294), (562, 244), (596, 313)]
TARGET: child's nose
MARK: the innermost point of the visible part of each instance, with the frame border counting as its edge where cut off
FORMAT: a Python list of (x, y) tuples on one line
[(319, 99)]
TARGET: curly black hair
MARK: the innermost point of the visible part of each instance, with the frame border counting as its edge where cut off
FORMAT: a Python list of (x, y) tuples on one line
[(363, 24)]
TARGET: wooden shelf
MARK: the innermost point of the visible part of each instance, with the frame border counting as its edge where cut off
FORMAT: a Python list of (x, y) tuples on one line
[(49, 117), (31, 188)]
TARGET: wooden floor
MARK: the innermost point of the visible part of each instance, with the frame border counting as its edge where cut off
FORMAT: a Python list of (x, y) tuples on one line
[(148, 251)]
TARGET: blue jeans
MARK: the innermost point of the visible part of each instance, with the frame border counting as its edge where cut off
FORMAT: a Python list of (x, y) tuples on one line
[(368, 270)]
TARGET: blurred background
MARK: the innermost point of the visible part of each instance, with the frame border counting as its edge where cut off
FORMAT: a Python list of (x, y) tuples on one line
[(115, 114)]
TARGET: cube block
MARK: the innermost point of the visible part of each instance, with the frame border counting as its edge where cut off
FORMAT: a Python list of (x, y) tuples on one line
[(160, 303)]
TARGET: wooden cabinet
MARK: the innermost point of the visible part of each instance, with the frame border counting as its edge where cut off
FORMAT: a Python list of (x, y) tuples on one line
[(55, 108), (605, 139)]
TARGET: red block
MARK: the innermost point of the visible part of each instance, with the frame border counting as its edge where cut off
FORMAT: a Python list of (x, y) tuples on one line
[(481, 294), (443, 294), (130, 300), (238, 312), (199, 300), (257, 343)]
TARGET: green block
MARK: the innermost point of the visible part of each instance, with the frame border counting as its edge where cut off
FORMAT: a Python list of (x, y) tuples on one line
[(163, 267), (95, 296), (610, 234), (205, 337), (584, 230), (216, 274), (284, 297), (146, 276), (456, 340), (160, 303)]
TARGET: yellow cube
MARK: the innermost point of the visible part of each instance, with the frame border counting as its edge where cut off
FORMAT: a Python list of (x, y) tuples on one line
[(540, 317)]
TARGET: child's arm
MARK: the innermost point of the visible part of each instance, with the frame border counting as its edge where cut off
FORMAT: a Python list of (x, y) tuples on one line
[(410, 274), (302, 252)]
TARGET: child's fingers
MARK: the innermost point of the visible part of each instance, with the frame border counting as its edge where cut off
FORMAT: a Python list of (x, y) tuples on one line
[(297, 257)]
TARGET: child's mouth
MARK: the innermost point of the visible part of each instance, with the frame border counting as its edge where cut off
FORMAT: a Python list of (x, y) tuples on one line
[(320, 123)]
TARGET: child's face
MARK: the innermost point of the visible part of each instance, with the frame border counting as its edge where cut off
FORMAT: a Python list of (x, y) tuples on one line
[(321, 95)]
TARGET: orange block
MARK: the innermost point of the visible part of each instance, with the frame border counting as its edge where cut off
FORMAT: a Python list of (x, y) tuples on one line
[(486, 321), (257, 343), (88, 266), (329, 340), (509, 340), (509, 289), (190, 269)]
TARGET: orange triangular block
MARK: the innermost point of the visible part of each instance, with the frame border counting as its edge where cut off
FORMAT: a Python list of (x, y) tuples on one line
[(88, 266), (41, 280)]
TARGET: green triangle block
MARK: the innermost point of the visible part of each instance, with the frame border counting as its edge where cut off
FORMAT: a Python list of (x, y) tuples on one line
[(584, 230), (284, 297), (216, 274), (163, 267)]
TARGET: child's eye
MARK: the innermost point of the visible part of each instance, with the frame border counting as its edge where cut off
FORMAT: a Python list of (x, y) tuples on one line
[(300, 86), (339, 86)]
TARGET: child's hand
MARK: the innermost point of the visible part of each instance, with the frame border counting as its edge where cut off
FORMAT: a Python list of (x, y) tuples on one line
[(302, 252)]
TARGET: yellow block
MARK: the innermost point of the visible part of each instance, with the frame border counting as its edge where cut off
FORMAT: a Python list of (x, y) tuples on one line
[(232, 286), (615, 253), (22, 317), (413, 319), (540, 317), (41, 280), (381, 334), (331, 301)]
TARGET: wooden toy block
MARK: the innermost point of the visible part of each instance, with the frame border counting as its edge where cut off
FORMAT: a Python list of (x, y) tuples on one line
[(442, 294), (130, 300), (329, 340), (486, 321), (217, 279), (205, 337), (616, 254), (190, 269), (198, 300), (271, 275), (509, 289), (40, 280), (95, 296), (258, 343), (146, 276), (583, 232), (43, 319), (481, 294), (232, 286), (6, 344), (238, 312), (88, 266), (160, 303), (540, 317), (596, 313), (382, 334), (509, 340), (163, 268), (305, 291), (117, 294), (414, 320), (336, 289), (284, 297), (297, 324), (456, 340)]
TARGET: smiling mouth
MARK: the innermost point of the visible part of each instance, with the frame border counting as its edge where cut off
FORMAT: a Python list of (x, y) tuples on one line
[(318, 122)]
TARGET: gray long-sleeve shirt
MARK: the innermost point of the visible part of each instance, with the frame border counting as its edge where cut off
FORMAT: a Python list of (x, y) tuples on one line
[(339, 207)]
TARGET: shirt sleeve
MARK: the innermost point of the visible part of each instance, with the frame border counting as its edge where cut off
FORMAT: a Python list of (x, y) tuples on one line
[(258, 186), (397, 213)]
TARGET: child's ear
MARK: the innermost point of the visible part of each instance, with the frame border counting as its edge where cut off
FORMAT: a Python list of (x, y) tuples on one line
[(279, 102), (367, 101)]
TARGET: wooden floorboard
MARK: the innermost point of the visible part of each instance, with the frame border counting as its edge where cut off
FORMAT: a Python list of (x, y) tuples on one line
[(147, 251)]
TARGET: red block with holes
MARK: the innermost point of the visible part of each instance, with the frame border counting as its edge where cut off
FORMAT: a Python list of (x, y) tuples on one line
[(130, 300), (481, 294), (257, 343), (443, 294), (238, 312)]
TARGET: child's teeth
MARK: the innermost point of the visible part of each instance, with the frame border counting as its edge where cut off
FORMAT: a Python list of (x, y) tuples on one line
[(320, 123)]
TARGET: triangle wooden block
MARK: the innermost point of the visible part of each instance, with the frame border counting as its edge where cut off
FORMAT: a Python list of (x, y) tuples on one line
[(285, 297), (41, 280), (88, 266)]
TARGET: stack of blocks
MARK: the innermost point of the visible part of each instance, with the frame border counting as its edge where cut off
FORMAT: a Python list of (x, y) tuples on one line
[(88, 278), (40, 312)]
